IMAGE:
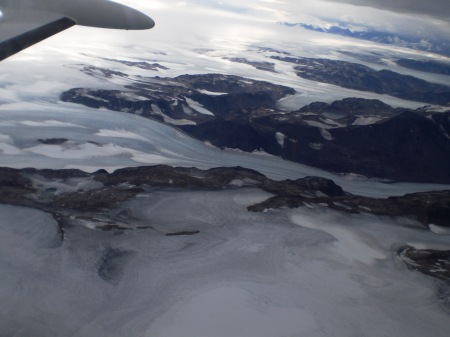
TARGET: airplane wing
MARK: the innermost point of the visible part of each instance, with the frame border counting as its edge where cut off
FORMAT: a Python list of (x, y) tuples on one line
[(26, 22), (19, 33)]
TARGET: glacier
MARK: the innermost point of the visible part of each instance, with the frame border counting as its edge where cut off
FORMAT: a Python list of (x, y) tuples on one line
[(309, 271)]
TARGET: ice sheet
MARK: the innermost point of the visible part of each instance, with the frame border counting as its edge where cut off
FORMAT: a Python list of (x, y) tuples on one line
[(266, 274)]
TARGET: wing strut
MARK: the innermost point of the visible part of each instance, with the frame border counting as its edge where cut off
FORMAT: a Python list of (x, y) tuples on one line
[(15, 44)]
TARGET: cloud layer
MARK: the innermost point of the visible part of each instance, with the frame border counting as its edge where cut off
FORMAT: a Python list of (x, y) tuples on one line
[(435, 8)]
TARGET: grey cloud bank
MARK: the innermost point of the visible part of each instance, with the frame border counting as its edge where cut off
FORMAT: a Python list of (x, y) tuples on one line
[(436, 8), (424, 18)]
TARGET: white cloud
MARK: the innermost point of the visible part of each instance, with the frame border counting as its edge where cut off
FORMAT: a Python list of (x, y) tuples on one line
[(416, 16)]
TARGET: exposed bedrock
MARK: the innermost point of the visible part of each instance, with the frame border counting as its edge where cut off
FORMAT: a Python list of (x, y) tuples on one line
[(98, 201), (69, 192), (363, 136), (431, 262), (406, 147)]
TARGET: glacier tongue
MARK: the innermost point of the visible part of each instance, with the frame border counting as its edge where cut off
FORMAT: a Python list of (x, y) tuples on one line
[(95, 139)]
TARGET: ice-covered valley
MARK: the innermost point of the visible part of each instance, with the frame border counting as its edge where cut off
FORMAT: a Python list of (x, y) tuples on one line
[(102, 139), (196, 262)]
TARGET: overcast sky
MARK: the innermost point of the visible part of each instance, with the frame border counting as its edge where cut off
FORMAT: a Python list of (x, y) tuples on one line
[(430, 17), (434, 8), (203, 23)]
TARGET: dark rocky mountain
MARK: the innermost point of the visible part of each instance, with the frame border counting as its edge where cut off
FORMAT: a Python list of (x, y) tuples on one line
[(426, 66), (167, 99), (360, 77), (138, 64), (427, 207), (351, 135), (406, 147), (431, 262), (349, 109), (266, 66)]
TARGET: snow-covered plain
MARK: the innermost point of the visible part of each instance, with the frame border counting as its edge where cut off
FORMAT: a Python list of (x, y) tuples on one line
[(305, 272)]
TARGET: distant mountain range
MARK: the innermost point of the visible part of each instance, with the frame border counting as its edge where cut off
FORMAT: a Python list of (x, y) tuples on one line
[(360, 77), (366, 33)]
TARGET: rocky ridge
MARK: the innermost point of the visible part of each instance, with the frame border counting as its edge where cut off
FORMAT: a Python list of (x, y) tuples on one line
[(432, 66), (266, 66), (100, 191), (431, 262), (360, 77), (98, 200)]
